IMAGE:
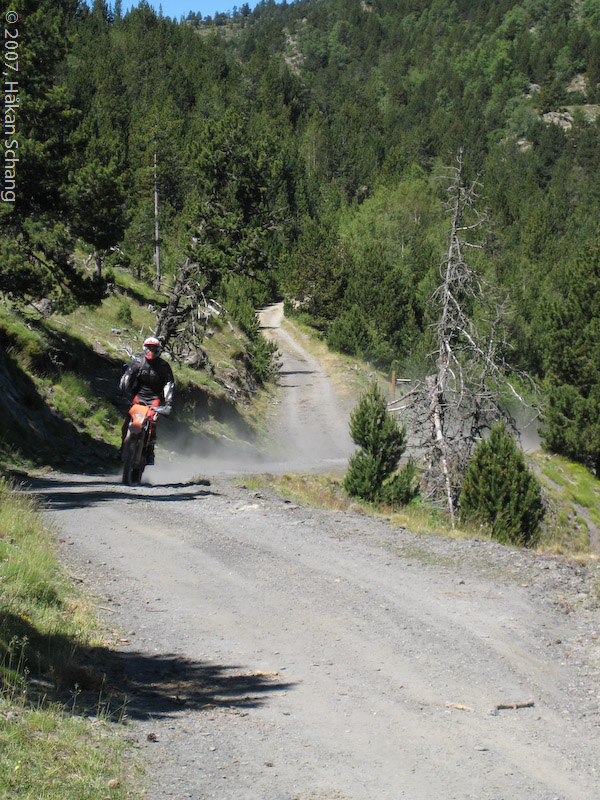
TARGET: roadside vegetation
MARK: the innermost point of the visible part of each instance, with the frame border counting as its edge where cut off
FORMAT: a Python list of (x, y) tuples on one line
[(570, 526), (566, 523), (57, 739)]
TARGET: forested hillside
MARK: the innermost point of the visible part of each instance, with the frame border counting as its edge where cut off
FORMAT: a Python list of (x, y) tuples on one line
[(299, 151)]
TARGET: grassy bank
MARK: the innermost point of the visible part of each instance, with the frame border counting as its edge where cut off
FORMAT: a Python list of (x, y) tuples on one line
[(60, 372), (571, 526), (52, 743)]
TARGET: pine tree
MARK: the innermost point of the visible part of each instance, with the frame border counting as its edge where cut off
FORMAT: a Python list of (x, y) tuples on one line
[(569, 342), (501, 491), (97, 214), (372, 471)]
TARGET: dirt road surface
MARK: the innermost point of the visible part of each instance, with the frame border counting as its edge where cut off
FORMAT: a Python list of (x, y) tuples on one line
[(275, 652)]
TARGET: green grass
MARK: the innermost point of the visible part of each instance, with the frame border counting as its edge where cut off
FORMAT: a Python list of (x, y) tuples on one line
[(104, 328), (325, 491), (74, 399), (17, 336), (46, 755), (43, 620), (577, 483), (128, 283), (49, 749), (574, 496), (321, 491)]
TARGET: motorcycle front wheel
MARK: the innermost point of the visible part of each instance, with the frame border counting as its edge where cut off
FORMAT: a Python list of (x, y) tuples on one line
[(132, 472)]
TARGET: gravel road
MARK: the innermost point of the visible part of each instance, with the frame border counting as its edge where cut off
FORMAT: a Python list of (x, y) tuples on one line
[(275, 652)]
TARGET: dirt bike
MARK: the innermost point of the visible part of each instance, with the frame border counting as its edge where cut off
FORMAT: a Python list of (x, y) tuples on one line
[(137, 440)]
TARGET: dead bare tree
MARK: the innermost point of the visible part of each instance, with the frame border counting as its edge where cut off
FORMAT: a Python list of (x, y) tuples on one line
[(183, 321), (450, 409)]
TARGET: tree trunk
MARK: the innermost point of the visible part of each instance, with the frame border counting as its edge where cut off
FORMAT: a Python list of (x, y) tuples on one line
[(97, 265), (445, 331), (156, 227), (437, 416), (171, 315)]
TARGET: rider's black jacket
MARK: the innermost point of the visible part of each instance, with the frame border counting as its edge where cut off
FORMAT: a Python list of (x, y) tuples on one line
[(149, 380)]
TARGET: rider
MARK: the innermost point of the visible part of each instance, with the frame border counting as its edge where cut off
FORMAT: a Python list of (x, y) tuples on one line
[(149, 378)]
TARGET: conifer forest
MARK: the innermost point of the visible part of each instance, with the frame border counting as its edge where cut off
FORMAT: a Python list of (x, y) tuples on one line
[(302, 151)]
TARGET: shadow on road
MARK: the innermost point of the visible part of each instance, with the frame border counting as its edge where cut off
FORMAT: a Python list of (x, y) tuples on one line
[(92, 679), (68, 494), (161, 685)]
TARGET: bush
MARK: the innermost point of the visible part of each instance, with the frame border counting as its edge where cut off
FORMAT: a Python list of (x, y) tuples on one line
[(501, 491), (372, 471), (402, 486), (124, 313), (260, 352), (350, 333)]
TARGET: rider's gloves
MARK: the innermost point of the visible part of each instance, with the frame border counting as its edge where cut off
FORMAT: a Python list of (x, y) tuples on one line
[(167, 410)]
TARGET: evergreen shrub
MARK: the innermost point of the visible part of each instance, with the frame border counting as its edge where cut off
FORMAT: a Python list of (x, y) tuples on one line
[(124, 313), (372, 472), (260, 352), (500, 490), (349, 333)]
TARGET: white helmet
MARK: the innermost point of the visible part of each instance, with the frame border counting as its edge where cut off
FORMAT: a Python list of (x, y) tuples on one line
[(152, 348)]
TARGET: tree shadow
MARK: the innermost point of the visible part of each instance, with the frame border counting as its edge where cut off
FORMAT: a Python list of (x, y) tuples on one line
[(136, 295), (49, 668), (149, 685), (65, 495)]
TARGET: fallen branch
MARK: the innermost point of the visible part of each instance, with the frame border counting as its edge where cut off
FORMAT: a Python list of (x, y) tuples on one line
[(513, 706), (458, 707)]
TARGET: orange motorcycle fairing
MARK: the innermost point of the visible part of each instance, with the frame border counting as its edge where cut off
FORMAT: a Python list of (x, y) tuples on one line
[(138, 414)]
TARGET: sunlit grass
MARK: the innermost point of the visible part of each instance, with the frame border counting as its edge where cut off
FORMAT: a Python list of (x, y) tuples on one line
[(574, 497), (38, 606), (48, 750), (565, 531), (105, 327), (325, 491), (322, 491), (46, 754), (20, 339), (71, 395)]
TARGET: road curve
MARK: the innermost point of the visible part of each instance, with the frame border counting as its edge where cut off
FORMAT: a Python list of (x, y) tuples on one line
[(274, 652)]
